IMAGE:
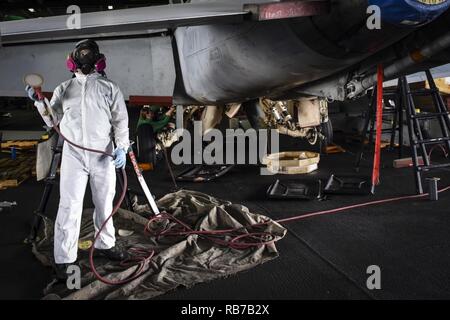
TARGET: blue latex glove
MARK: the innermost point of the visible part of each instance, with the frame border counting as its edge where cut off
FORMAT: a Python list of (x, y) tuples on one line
[(120, 158), (31, 93)]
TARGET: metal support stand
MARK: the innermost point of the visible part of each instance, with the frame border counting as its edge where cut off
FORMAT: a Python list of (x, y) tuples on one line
[(417, 141), (403, 100)]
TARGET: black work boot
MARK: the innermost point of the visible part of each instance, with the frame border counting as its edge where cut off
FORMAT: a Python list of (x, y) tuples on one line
[(115, 253), (61, 271)]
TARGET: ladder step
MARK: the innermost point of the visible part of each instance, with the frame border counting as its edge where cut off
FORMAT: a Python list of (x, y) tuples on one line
[(432, 141), (433, 166), (390, 92), (385, 112), (389, 111), (425, 116), (387, 130)]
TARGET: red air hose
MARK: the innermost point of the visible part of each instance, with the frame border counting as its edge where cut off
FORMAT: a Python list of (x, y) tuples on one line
[(259, 238), (143, 259)]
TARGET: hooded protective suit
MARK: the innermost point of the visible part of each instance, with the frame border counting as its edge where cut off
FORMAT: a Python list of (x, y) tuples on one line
[(92, 112)]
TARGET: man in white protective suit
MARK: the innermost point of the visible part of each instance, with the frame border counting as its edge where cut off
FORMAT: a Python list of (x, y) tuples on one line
[(92, 113)]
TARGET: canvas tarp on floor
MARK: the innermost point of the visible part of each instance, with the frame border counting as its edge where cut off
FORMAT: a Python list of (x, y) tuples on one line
[(178, 261)]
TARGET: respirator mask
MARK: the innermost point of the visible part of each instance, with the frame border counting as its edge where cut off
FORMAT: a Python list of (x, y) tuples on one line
[(86, 57)]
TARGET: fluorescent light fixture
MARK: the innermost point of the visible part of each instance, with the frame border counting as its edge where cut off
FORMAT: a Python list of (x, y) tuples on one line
[(110, 7), (31, 10)]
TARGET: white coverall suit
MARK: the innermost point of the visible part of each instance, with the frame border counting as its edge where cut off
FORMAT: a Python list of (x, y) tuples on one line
[(91, 110)]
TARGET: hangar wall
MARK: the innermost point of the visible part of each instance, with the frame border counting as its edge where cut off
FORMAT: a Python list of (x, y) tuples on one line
[(140, 66)]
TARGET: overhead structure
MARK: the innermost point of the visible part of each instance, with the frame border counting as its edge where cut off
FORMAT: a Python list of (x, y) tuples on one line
[(154, 19), (237, 51)]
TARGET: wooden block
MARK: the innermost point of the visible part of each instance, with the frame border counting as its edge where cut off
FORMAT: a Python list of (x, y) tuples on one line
[(19, 144), (12, 183), (145, 166), (14, 172), (334, 149), (406, 162)]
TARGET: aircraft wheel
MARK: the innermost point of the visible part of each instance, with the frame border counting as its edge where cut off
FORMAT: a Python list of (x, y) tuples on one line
[(146, 143), (327, 130)]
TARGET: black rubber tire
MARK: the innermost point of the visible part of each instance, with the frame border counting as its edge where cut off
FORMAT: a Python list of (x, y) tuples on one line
[(327, 130), (146, 144)]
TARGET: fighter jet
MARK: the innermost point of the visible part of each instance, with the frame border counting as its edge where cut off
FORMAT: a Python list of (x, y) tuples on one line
[(255, 53)]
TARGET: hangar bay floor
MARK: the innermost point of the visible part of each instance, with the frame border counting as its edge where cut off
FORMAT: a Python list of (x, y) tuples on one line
[(322, 257)]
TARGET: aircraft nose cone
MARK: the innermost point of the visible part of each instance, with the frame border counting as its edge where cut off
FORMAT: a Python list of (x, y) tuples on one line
[(411, 12)]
